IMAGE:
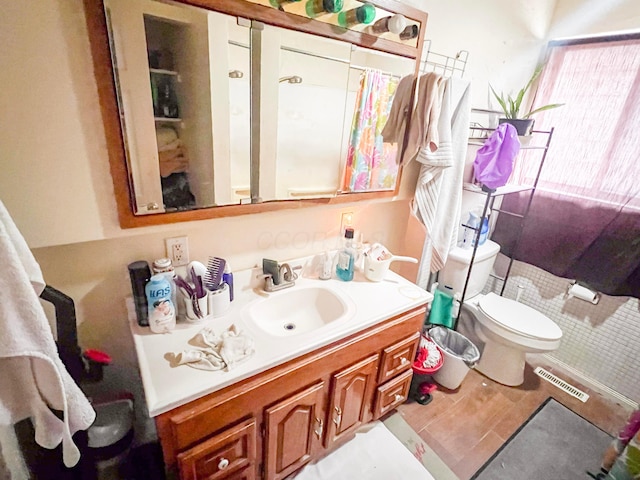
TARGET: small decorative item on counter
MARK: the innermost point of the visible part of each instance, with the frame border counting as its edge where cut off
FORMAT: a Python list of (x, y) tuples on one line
[(139, 273), (319, 7), (410, 32), (364, 14), (162, 312), (394, 24), (326, 267), (346, 257)]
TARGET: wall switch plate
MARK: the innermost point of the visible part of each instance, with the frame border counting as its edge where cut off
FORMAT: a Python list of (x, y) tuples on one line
[(177, 250)]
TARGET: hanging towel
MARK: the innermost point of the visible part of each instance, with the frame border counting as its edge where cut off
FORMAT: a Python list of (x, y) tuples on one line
[(393, 131), (439, 190), (423, 132), (33, 379)]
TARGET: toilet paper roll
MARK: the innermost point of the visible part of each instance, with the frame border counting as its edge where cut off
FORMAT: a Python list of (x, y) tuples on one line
[(583, 293)]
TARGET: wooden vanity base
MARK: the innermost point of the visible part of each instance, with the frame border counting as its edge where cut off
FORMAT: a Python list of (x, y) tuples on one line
[(270, 425)]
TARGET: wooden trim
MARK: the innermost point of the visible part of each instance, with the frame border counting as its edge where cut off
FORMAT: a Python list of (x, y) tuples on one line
[(104, 75)]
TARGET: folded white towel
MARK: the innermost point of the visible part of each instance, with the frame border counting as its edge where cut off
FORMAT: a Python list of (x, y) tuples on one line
[(217, 352), (33, 379)]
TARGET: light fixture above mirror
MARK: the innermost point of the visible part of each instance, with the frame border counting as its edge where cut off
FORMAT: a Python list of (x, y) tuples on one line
[(223, 184)]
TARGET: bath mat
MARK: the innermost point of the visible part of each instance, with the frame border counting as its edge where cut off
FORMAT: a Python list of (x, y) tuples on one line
[(374, 454), (418, 447), (554, 443)]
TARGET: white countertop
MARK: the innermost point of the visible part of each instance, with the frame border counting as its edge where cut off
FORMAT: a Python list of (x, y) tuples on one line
[(168, 387)]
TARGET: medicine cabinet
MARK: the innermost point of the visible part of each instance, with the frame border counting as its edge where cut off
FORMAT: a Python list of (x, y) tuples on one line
[(226, 107)]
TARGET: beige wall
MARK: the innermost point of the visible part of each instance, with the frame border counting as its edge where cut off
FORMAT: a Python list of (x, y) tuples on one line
[(55, 179)]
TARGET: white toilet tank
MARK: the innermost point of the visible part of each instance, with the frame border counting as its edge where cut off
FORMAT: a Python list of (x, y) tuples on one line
[(454, 273)]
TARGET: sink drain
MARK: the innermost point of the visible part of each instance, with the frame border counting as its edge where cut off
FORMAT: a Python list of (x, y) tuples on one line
[(289, 326)]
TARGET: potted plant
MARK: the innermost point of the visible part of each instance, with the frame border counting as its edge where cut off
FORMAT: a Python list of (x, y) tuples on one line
[(511, 106)]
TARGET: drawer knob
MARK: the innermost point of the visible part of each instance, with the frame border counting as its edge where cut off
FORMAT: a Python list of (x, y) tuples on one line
[(399, 397), (404, 361), (223, 463)]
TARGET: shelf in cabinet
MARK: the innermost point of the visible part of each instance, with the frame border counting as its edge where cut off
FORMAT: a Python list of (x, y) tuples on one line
[(161, 71), (505, 190), (167, 119)]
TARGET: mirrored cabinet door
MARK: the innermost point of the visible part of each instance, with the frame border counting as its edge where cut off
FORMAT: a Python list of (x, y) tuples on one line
[(313, 74), (176, 67)]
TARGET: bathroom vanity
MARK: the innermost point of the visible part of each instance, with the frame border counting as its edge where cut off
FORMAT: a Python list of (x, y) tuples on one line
[(299, 396)]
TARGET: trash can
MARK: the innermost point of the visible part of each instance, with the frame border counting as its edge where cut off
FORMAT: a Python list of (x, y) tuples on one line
[(459, 356)]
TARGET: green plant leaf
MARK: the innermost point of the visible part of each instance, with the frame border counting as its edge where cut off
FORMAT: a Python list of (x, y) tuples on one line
[(513, 110), (541, 109), (501, 101)]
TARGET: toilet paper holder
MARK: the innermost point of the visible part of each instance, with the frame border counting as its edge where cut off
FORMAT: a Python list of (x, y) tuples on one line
[(583, 293)]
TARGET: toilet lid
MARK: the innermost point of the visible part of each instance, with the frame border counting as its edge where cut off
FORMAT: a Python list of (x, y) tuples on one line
[(519, 317)]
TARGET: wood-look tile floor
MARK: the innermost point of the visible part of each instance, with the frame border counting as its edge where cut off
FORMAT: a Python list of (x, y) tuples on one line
[(465, 427)]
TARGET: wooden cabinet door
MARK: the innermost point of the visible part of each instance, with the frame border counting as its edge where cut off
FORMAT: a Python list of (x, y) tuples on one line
[(294, 429), (351, 398), (222, 455)]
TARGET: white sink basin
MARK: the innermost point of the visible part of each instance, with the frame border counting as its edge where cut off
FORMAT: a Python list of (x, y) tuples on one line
[(299, 310)]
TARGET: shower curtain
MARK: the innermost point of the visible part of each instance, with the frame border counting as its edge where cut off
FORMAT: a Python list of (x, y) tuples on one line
[(371, 164), (584, 221)]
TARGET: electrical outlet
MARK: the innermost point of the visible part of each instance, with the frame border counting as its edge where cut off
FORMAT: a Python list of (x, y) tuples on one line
[(178, 250), (346, 221)]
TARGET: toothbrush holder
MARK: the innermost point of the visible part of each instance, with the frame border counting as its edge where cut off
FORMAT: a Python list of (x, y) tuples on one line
[(203, 305), (219, 301)]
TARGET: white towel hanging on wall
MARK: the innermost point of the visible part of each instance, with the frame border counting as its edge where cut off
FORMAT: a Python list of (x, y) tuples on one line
[(33, 379)]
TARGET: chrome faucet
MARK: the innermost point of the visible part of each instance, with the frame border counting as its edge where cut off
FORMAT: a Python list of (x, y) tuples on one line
[(286, 278)]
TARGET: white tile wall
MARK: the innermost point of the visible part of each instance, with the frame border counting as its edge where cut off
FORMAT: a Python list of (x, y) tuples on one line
[(600, 341)]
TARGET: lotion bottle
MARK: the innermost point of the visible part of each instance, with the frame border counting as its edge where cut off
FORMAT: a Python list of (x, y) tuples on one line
[(162, 312)]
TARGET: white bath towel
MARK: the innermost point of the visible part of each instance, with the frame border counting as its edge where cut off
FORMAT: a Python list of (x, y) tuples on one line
[(33, 379), (439, 189)]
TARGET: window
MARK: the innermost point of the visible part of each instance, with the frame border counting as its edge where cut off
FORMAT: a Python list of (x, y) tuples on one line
[(596, 143)]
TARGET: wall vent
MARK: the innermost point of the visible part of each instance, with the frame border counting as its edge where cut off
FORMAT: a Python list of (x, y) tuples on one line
[(561, 384)]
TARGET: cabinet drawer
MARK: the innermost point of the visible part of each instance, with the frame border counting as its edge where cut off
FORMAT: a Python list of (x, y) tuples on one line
[(222, 455), (392, 394), (398, 357)]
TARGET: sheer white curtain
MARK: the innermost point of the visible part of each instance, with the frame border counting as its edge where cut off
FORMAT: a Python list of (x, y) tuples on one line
[(595, 152), (584, 221)]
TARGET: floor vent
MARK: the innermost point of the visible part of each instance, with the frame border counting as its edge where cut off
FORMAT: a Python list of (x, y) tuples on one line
[(561, 384)]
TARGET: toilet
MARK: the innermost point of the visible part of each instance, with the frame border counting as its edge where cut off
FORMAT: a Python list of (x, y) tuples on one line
[(508, 329)]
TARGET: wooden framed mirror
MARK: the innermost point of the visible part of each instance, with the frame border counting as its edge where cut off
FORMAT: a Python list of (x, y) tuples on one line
[(255, 123)]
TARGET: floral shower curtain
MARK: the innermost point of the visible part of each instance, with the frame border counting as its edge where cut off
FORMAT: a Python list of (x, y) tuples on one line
[(371, 164), (584, 221)]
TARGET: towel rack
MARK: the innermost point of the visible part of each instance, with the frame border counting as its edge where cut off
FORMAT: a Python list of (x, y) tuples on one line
[(445, 65)]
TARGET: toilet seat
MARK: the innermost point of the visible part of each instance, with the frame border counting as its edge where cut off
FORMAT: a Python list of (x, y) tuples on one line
[(518, 318)]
